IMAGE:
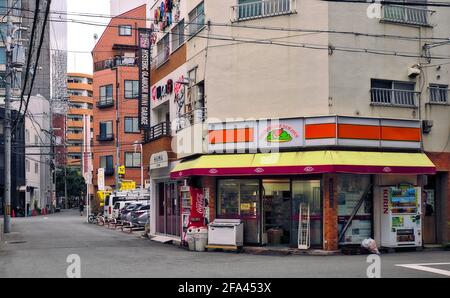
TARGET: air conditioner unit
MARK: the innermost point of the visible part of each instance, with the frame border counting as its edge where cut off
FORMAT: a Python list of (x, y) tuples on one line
[(413, 71)]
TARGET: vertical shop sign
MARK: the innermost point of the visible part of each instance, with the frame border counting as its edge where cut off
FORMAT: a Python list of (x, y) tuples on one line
[(197, 208), (145, 35)]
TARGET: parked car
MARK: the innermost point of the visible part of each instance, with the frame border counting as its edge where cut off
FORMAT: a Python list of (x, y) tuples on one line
[(126, 210), (119, 206), (130, 209), (140, 216)]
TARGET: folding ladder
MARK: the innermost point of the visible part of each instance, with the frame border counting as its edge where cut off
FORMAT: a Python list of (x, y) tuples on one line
[(304, 238)]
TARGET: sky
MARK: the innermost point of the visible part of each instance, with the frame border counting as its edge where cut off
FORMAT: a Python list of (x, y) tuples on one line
[(81, 36)]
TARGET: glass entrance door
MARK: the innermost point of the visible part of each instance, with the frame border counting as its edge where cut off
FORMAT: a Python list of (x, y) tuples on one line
[(307, 192), (276, 211)]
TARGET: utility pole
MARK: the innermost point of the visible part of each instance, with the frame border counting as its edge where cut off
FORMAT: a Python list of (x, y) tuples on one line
[(9, 72), (116, 170)]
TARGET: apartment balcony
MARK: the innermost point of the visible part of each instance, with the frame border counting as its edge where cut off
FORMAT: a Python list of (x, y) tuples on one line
[(263, 9), (74, 136), (393, 97), (161, 58), (439, 95), (156, 132), (74, 149), (409, 15), (193, 117), (105, 137), (115, 62), (106, 103), (75, 124)]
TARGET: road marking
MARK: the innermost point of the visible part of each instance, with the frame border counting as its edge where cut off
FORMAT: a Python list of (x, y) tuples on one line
[(424, 267)]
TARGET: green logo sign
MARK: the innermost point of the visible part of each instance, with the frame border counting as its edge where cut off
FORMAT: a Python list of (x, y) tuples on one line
[(278, 135)]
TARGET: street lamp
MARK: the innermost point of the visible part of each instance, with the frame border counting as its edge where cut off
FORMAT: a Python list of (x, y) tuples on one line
[(136, 143)]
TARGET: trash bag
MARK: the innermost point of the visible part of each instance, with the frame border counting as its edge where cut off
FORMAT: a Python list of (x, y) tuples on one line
[(370, 245)]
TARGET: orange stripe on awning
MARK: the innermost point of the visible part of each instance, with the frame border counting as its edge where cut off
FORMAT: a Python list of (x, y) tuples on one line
[(320, 131), (391, 133), (355, 131), (230, 135)]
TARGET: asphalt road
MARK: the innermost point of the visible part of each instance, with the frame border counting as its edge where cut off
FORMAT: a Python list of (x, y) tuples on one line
[(39, 247)]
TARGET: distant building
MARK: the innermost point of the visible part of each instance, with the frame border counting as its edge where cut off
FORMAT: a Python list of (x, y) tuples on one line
[(17, 165), (116, 87), (80, 92)]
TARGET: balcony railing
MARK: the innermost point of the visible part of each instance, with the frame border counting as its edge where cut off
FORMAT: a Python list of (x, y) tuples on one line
[(263, 8), (105, 137), (114, 62), (106, 103), (439, 95), (196, 24), (406, 15), (393, 97), (161, 58), (191, 118), (155, 132)]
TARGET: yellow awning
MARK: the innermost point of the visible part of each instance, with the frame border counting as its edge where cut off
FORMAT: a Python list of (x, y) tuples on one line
[(288, 163)]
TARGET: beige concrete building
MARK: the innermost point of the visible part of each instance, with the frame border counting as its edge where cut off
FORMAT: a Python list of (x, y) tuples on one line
[(339, 77)]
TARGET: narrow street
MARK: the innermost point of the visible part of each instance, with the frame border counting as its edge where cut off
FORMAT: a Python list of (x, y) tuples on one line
[(39, 246)]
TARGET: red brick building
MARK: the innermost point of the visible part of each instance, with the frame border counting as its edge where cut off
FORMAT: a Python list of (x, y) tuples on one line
[(116, 92)]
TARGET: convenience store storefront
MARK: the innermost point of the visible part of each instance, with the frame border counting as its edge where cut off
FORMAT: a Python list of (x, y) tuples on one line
[(265, 191)]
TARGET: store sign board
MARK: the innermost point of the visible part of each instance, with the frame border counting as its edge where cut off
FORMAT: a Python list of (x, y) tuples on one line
[(127, 185), (159, 160), (144, 77), (101, 178), (230, 137), (280, 133)]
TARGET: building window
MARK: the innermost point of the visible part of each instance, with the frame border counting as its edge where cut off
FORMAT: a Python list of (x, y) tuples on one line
[(132, 125), (406, 14), (131, 89), (36, 168), (132, 159), (27, 165), (197, 19), (251, 9), (106, 130), (439, 93), (125, 30), (27, 136), (163, 48), (178, 35), (394, 93), (2, 56), (106, 93), (106, 162), (36, 140)]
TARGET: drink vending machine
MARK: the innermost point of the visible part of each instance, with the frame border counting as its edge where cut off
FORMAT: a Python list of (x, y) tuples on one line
[(400, 216)]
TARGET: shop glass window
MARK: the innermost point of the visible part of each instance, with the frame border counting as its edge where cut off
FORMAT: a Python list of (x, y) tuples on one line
[(125, 30), (307, 192), (238, 198), (350, 190), (132, 159), (132, 125), (131, 89)]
